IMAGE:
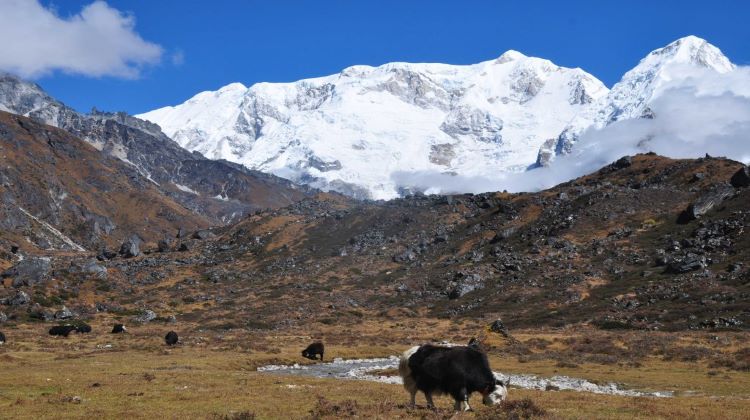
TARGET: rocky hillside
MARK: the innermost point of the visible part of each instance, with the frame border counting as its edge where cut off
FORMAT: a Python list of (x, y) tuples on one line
[(219, 191), (644, 243), (58, 192)]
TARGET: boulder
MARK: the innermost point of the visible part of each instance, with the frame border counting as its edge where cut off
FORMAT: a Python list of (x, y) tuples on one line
[(131, 247), (145, 316), (3, 317), (106, 254), (463, 284), (29, 271), (623, 162), (89, 267), (36, 311), (20, 298), (690, 262), (164, 245), (203, 234), (741, 178), (64, 313), (704, 204), (497, 326)]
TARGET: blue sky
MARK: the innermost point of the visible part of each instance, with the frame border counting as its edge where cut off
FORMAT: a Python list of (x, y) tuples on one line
[(205, 45)]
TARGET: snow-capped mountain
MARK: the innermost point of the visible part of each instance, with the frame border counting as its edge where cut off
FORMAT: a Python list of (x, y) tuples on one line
[(632, 95), (353, 130), (370, 131)]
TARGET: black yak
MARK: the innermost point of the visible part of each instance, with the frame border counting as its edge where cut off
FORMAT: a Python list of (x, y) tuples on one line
[(62, 330), (313, 350), (458, 371), (83, 328)]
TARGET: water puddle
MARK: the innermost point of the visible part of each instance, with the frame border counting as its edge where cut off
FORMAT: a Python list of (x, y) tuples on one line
[(362, 369)]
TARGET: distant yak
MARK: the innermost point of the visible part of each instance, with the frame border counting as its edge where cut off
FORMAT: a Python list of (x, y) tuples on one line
[(2, 338), (313, 350), (62, 330), (83, 328), (119, 328), (171, 338)]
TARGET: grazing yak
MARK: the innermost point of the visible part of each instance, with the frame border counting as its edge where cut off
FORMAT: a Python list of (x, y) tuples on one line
[(458, 371), (119, 328), (313, 350), (171, 338), (83, 328), (62, 330), (2, 338)]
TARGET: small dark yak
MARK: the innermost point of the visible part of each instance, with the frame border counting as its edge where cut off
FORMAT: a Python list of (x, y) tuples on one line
[(83, 328), (62, 330), (118, 329), (313, 350), (171, 338)]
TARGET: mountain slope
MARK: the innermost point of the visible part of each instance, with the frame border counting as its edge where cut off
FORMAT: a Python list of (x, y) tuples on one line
[(59, 192), (353, 131), (220, 191)]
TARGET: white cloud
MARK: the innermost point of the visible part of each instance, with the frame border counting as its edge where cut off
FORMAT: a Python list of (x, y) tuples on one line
[(702, 112), (99, 41)]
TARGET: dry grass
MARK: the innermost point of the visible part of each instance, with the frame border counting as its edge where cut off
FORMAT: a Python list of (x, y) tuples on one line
[(212, 375)]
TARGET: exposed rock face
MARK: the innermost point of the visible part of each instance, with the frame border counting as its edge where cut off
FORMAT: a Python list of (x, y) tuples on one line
[(50, 199), (29, 272), (188, 178)]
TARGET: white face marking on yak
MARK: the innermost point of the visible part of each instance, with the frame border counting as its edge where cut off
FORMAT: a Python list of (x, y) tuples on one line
[(498, 395)]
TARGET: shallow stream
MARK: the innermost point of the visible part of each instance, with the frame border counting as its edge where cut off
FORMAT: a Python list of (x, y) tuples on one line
[(362, 369)]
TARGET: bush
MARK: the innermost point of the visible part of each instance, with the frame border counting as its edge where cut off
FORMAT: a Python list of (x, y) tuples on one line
[(324, 408), (515, 409)]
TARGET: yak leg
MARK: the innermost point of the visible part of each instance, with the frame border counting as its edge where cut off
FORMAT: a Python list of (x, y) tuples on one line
[(428, 397), (462, 400)]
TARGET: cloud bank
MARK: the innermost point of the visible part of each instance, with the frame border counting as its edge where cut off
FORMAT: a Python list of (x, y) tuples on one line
[(99, 41), (702, 112)]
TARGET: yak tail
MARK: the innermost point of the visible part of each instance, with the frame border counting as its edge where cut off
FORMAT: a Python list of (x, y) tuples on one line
[(405, 371)]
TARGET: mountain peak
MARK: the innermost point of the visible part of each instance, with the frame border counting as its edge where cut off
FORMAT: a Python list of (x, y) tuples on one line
[(690, 50), (510, 55)]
